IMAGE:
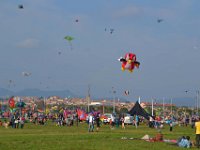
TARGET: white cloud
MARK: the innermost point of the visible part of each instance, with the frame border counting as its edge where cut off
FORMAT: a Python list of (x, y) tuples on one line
[(29, 43)]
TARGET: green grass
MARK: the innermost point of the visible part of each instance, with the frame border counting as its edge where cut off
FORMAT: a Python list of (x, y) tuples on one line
[(51, 137)]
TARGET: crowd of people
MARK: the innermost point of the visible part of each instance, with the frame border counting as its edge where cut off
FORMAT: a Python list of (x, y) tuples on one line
[(17, 120)]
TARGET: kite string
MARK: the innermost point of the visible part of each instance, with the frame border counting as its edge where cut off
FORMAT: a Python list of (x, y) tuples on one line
[(70, 44)]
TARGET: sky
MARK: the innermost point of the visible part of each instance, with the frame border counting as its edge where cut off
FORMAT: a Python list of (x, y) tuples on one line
[(32, 41)]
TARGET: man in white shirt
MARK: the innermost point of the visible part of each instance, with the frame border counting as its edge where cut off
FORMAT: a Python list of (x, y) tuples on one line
[(91, 123)]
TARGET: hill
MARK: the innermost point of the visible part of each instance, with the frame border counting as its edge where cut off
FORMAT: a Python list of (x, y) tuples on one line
[(37, 92)]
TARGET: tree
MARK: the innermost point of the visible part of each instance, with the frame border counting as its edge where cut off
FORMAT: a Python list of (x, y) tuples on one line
[(123, 110)]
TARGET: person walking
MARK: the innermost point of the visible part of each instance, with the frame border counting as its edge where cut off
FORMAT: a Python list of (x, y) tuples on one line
[(197, 127)]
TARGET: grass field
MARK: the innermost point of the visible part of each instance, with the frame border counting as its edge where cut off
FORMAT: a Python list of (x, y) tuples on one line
[(51, 137)]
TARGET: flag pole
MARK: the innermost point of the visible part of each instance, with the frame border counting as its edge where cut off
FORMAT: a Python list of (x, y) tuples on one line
[(152, 106), (163, 106), (139, 100)]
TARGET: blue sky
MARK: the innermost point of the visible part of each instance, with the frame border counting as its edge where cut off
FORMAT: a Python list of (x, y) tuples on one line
[(31, 39)]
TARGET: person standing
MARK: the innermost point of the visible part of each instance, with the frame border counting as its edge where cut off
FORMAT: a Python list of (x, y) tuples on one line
[(193, 120), (22, 121), (16, 122), (197, 127), (170, 126), (98, 121), (137, 119), (122, 120), (13, 121), (112, 122), (136, 122), (91, 123), (76, 118)]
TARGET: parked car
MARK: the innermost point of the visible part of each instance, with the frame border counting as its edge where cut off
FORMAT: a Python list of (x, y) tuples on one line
[(128, 119), (107, 117)]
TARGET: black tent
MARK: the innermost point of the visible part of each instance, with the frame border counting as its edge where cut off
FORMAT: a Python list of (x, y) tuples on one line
[(138, 110)]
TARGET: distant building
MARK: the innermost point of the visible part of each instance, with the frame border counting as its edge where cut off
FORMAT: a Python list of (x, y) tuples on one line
[(95, 103)]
